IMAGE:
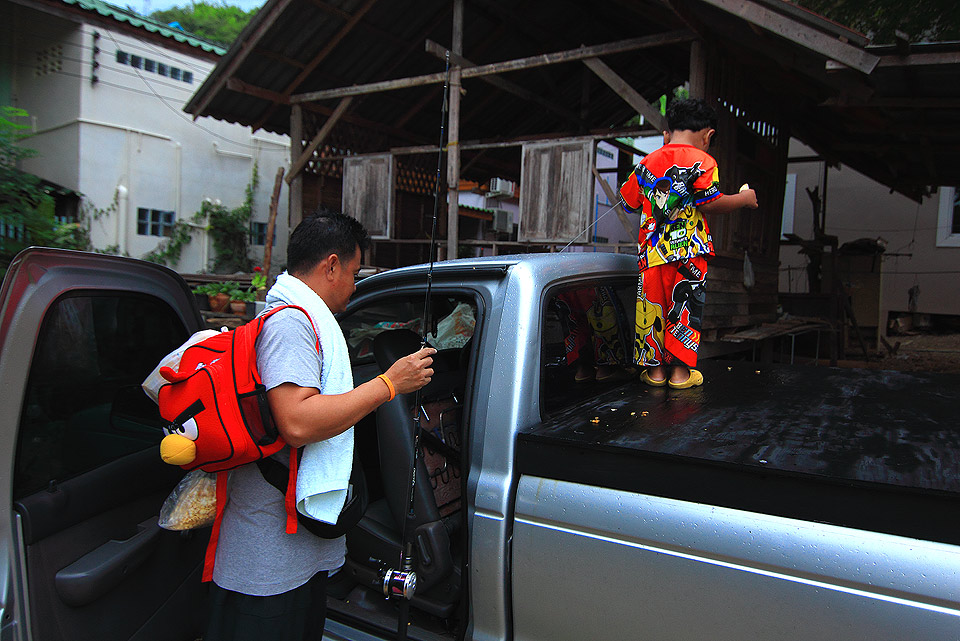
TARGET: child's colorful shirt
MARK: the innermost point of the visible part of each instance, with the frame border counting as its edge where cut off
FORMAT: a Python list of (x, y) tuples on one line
[(667, 188)]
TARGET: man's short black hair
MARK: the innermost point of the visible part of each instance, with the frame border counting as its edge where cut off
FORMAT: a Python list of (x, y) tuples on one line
[(690, 114), (322, 234)]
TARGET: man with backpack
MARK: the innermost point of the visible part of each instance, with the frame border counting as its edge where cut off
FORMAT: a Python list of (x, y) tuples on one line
[(268, 583)]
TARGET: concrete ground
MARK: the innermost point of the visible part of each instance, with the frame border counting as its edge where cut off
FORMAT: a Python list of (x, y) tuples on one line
[(918, 352)]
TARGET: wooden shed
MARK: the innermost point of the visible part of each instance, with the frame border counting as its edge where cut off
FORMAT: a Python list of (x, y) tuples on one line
[(358, 85)]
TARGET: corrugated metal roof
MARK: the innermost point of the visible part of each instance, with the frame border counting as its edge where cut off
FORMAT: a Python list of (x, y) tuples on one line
[(142, 22)]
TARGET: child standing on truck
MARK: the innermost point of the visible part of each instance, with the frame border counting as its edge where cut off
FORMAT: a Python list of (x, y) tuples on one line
[(672, 188)]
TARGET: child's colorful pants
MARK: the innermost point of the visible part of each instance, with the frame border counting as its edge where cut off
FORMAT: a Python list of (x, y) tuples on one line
[(590, 317), (670, 301)]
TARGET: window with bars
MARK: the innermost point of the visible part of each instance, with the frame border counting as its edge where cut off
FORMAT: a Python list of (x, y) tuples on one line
[(948, 218), (154, 66), (155, 222), (258, 234)]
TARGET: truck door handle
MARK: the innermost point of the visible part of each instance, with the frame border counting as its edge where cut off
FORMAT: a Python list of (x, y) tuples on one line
[(100, 570)]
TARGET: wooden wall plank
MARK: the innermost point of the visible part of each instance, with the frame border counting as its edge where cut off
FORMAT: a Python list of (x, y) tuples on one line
[(557, 197), (368, 192)]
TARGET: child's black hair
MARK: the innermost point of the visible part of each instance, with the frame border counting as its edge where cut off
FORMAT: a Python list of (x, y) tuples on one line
[(690, 114), (322, 234)]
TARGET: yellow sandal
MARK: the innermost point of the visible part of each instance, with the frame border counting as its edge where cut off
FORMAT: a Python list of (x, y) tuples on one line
[(645, 377), (694, 380)]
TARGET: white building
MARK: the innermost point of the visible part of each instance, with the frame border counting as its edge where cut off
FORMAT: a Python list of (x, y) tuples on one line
[(919, 270), (105, 89)]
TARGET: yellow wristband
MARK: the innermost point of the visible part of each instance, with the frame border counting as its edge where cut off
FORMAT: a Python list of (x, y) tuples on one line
[(393, 390)]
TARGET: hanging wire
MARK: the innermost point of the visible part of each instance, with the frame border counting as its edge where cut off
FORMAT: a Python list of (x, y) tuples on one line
[(593, 224)]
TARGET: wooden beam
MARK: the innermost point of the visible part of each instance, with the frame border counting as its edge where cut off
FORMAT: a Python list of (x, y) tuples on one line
[(439, 51), (330, 45), (797, 32), (477, 145), (353, 119), (622, 146), (366, 26), (698, 69), (894, 102), (295, 194), (317, 59), (279, 57), (453, 136), (246, 45), (572, 55), (630, 95), (272, 223), (917, 59), (235, 84), (304, 157), (613, 197)]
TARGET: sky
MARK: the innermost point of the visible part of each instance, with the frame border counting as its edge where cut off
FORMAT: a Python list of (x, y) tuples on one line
[(147, 6)]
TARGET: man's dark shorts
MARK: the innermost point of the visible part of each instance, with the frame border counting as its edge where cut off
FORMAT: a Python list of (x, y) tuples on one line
[(297, 615)]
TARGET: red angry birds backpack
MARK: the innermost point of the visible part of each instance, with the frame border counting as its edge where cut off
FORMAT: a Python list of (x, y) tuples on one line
[(219, 419)]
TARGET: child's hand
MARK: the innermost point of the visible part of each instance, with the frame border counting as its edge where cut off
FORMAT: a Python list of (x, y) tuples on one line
[(749, 197)]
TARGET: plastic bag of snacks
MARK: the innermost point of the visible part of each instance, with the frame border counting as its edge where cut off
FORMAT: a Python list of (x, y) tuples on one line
[(152, 384), (192, 504)]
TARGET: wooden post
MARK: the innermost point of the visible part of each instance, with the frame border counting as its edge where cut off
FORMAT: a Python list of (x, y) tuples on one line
[(296, 185), (453, 137), (272, 223), (300, 162), (698, 69)]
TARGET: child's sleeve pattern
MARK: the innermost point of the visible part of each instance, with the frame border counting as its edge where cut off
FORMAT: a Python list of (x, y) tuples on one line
[(707, 186), (631, 193)]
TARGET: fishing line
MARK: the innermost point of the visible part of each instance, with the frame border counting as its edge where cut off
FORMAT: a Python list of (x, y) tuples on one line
[(593, 224)]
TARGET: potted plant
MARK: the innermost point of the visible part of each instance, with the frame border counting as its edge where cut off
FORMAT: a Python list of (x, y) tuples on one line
[(259, 283), (200, 295), (218, 295), (238, 302)]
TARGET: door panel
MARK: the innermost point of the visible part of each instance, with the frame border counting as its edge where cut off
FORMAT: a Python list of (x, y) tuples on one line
[(79, 334)]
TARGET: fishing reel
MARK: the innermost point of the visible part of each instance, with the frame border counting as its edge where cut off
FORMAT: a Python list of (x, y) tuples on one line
[(399, 584)]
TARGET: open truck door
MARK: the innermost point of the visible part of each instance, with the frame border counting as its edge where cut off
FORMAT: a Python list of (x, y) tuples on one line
[(83, 556)]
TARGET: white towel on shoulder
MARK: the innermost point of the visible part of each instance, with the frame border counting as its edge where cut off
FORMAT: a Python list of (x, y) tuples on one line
[(324, 472)]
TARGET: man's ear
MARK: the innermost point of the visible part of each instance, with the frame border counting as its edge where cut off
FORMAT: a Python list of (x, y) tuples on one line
[(327, 267), (666, 137), (333, 264)]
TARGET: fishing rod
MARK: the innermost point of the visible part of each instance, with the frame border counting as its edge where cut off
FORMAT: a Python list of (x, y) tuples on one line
[(402, 584)]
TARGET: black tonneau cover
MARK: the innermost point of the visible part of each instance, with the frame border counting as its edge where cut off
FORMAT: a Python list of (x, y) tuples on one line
[(871, 449)]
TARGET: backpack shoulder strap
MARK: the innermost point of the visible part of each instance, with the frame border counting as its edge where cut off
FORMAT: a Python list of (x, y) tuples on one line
[(263, 318)]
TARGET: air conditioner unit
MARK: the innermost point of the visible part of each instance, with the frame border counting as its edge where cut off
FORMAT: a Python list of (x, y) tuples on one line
[(500, 187), (502, 221)]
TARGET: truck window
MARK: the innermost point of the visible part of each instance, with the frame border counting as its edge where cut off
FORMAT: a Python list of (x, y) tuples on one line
[(588, 331), (453, 322), (83, 405)]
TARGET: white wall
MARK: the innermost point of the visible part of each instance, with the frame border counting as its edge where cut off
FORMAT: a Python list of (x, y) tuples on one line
[(858, 207), (609, 224), (127, 134)]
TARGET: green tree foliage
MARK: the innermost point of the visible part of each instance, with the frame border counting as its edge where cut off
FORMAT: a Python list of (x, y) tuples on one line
[(26, 209), (879, 19), (230, 230), (213, 21)]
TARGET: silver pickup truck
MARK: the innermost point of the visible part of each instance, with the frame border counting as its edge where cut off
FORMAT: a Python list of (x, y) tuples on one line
[(772, 503)]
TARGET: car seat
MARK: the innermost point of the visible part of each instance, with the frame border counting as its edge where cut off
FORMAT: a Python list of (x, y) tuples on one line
[(379, 533)]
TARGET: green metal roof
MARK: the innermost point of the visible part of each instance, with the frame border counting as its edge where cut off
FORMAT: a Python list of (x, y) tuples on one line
[(134, 19)]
